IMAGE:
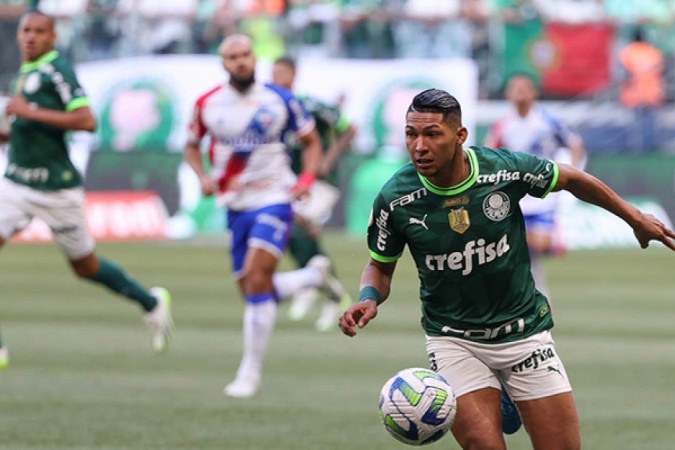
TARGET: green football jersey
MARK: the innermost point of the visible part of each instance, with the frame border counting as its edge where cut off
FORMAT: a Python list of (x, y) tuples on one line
[(329, 121), (38, 153), (468, 243)]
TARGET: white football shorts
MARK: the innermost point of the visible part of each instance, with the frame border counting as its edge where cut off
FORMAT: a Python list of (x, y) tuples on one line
[(62, 211), (529, 368)]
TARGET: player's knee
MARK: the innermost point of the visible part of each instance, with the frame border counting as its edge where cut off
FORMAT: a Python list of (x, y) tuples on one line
[(257, 281), (482, 441)]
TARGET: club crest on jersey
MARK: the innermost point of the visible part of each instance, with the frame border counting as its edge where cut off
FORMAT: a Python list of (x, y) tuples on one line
[(496, 206), (459, 220)]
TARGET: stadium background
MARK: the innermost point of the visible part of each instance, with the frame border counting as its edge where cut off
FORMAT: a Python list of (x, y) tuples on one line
[(79, 378), (143, 63)]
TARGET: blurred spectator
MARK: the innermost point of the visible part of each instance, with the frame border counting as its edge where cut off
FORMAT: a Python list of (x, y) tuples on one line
[(103, 30), (432, 29), (156, 26), (366, 29), (215, 20), (514, 11), (70, 22), (642, 88), (263, 22), (10, 11), (312, 26), (572, 11)]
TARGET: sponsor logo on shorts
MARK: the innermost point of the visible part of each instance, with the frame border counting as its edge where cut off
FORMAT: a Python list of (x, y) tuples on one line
[(536, 359)]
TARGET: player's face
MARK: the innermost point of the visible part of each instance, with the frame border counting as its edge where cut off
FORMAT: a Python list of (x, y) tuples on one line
[(283, 76), (521, 91), (434, 145), (35, 36), (239, 61)]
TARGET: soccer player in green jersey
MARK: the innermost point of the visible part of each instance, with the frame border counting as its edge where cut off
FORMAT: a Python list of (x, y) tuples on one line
[(336, 133), (486, 325), (40, 179)]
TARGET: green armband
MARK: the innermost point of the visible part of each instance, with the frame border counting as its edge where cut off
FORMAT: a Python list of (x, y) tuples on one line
[(370, 293)]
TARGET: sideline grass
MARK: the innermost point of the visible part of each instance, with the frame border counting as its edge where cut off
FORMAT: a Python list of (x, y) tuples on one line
[(82, 375)]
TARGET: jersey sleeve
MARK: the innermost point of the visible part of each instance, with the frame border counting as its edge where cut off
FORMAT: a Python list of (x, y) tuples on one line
[(196, 127), (331, 116), (300, 120), (68, 87), (539, 176), (384, 242)]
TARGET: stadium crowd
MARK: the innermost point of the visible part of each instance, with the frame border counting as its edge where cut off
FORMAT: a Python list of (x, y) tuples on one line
[(95, 29)]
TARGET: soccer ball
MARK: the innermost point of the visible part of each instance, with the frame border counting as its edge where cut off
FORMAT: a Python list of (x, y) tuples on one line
[(417, 406)]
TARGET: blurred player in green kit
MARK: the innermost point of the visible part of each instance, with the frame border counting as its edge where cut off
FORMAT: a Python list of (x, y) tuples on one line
[(40, 179), (336, 134)]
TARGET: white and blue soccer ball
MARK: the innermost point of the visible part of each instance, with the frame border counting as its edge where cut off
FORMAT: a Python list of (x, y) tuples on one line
[(417, 406)]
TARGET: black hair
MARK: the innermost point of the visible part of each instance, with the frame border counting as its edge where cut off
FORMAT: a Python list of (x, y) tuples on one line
[(437, 101), (286, 61)]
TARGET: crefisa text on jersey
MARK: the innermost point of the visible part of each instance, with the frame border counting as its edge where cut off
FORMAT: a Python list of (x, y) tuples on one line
[(464, 260)]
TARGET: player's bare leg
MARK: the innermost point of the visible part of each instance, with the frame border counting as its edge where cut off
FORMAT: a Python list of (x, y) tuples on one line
[(478, 424), (552, 422)]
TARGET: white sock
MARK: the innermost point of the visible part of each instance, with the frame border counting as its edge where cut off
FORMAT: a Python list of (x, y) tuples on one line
[(286, 284), (259, 319)]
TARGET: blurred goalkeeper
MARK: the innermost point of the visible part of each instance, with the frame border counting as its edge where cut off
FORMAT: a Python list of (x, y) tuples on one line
[(487, 326)]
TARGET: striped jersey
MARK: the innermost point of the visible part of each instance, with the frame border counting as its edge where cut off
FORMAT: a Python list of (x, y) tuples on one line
[(539, 134), (246, 150)]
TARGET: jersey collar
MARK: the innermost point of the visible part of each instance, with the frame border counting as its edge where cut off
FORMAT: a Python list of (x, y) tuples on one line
[(48, 57), (458, 188)]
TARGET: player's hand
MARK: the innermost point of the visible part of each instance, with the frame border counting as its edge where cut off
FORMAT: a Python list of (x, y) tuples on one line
[(357, 315), (652, 229), (19, 106), (209, 186), (301, 187)]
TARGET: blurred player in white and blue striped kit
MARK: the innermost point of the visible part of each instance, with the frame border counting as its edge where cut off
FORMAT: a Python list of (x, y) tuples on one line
[(529, 128), (250, 175)]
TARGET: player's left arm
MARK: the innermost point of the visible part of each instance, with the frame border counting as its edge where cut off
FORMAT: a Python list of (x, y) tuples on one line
[(343, 138), (311, 161), (375, 288), (589, 189), (79, 118)]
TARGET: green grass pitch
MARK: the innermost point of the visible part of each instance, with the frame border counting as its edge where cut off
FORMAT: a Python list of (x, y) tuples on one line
[(82, 375)]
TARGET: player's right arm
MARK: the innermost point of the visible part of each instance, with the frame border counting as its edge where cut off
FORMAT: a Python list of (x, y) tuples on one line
[(192, 153), (193, 156), (375, 288), (78, 119)]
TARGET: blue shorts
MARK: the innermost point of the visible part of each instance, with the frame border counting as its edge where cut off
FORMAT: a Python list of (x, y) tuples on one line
[(267, 228), (541, 222)]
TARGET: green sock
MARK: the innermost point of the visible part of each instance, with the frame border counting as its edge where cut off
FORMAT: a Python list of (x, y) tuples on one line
[(114, 278)]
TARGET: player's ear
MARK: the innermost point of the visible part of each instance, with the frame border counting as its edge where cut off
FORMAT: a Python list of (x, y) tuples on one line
[(462, 134)]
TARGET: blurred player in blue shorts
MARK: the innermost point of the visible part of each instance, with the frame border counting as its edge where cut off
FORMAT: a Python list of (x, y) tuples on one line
[(529, 128), (244, 123)]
